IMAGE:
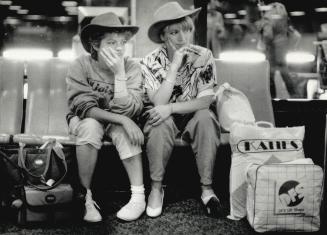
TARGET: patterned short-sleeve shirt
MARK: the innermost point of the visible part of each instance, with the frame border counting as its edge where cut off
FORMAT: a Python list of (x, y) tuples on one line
[(195, 78)]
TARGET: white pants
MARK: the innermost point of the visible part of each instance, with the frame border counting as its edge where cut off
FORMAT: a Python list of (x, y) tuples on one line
[(90, 131)]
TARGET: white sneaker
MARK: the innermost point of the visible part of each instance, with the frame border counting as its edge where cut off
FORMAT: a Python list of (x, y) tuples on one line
[(92, 213), (131, 211)]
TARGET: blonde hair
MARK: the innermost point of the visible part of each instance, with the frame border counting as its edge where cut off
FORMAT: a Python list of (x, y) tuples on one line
[(186, 24)]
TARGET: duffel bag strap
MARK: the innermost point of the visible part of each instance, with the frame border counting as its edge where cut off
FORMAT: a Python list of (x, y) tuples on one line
[(59, 153), (50, 145), (22, 159), (264, 124), (53, 145)]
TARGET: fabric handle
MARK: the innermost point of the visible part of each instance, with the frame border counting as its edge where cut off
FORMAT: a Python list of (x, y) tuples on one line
[(22, 159), (49, 145), (264, 124)]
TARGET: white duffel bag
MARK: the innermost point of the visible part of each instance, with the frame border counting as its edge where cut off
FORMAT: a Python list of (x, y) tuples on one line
[(284, 197), (233, 106), (256, 144)]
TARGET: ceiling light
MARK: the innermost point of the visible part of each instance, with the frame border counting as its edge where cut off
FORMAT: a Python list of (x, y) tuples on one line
[(69, 3), (11, 21), (242, 56), (61, 18), (321, 9), (230, 15), (299, 57), (5, 3), (27, 53), (22, 11), (297, 13), (242, 12), (14, 7), (34, 17)]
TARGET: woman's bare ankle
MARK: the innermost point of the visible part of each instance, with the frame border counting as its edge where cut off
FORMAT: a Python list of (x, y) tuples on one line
[(156, 185)]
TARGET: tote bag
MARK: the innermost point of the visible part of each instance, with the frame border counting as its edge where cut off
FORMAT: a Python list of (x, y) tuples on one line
[(284, 197), (260, 145)]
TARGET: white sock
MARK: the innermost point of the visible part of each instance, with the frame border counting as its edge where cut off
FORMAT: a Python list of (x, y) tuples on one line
[(137, 193), (88, 193)]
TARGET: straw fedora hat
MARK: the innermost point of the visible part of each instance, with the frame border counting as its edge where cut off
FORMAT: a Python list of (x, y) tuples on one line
[(103, 23), (164, 15)]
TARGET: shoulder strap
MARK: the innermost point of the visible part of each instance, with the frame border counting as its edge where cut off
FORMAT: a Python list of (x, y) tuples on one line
[(54, 146), (22, 159)]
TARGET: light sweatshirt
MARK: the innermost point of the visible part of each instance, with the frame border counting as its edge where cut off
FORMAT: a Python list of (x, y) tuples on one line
[(89, 86)]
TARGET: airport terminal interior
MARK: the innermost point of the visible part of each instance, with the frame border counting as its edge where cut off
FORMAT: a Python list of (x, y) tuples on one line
[(273, 51)]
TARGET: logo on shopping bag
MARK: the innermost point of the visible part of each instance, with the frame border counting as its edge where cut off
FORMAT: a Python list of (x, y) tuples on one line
[(289, 197), (269, 145)]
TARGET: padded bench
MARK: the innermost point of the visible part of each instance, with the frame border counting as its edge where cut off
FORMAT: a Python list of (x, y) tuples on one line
[(46, 106), (11, 98)]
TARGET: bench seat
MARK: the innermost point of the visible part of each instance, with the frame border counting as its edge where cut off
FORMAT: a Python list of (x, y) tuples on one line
[(11, 98), (41, 139), (46, 106)]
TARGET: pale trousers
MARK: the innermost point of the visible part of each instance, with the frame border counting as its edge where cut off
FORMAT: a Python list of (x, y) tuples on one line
[(201, 131), (90, 131)]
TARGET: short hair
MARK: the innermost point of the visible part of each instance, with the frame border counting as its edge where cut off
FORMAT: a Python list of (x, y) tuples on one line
[(96, 38), (186, 23)]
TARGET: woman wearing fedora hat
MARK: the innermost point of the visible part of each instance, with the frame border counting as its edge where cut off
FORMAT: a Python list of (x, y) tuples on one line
[(104, 92), (179, 79)]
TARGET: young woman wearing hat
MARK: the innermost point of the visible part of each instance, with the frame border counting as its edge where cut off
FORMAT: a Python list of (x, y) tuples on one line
[(179, 79), (104, 92)]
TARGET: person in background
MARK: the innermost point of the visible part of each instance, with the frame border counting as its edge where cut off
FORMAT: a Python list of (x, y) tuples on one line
[(179, 78), (104, 91), (277, 38), (216, 32)]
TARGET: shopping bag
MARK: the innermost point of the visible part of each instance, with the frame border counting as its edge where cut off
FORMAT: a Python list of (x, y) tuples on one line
[(284, 197), (260, 145)]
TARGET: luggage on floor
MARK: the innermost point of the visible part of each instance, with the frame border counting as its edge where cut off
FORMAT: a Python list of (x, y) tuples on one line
[(41, 188), (256, 144), (46, 206), (284, 197)]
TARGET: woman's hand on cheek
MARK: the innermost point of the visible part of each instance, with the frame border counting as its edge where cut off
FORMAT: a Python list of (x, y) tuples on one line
[(113, 60), (106, 59), (180, 54), (171, 44)]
